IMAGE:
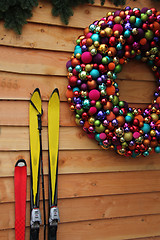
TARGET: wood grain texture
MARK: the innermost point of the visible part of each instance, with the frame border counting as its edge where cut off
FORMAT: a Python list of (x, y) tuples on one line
[(40, 36), (90, 161), (70, 138), (92, 184), (92, 208), (19, 114), (114, 229)]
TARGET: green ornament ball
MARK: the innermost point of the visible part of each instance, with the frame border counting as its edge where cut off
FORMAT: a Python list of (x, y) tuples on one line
[(118, 68), (98, 105), (132, 19), (149, 35)]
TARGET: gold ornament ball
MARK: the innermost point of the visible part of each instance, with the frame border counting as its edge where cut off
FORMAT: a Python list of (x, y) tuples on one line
[(102, 33), (109, 14), (116, 33), (91, 120), (109, 32), (106, 131), (91, 47), (102, 48), (96, 44), (88, 67), (155, 117), (72, 107), (78, 55), (69, 100), (153, 133)]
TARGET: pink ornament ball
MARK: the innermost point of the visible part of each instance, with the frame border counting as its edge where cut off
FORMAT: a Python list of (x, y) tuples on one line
[(92, 110), (136, 134), (94, 94), (118, 27), (102, 136), (86, 57), (88, 35)]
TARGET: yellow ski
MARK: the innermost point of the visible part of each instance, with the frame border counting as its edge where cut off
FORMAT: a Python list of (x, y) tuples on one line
[(35, 113), (53, 141)]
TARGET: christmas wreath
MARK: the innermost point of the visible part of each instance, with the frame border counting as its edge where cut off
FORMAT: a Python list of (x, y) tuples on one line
[(93, 92)]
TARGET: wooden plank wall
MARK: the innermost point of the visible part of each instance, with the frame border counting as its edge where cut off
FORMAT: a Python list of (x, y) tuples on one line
[(102, 196)]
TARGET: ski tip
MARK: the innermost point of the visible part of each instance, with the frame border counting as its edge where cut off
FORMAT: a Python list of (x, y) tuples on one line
[(55, 91), (36, 90), (21, 163), (37, 104)]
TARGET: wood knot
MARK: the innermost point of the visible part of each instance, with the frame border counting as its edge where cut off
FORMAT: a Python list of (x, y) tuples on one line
[(87, 11)]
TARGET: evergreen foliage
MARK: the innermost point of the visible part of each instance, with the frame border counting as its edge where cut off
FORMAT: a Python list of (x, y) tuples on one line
[(118, 2), (63, 8), (16, 12)]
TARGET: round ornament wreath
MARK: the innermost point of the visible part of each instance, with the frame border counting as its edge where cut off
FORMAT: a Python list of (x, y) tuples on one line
[(93, 92)]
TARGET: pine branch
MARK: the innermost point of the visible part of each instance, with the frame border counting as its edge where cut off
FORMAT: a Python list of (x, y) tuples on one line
[(5, 4), (15, 17), (102, 2), (62, 8), (1, 15), (28, 4), (75, 3), (118, 2)]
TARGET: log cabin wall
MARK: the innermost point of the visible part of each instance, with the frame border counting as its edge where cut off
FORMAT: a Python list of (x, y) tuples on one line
[(102, 196)]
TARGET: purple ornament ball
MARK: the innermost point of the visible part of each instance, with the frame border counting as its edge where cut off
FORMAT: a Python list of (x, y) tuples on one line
[(103, 25), (139, 35), (84, 87), (128, 8), (68, 64), (99, 80), (104, 40), (120, 53), (116, 13), (97, 58), (143, 10)]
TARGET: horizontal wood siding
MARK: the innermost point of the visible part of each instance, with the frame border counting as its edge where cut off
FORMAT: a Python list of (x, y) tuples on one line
[(101, 195)]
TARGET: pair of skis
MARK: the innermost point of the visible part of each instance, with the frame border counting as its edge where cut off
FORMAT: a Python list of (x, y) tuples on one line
[(36, 163)]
